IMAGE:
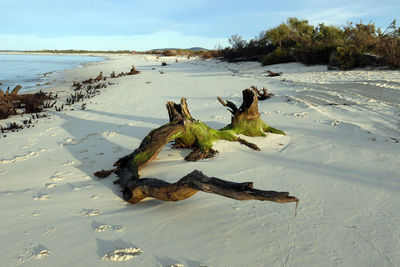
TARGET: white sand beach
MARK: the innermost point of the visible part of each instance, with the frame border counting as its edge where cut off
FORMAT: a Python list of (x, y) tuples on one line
[(340, 157)]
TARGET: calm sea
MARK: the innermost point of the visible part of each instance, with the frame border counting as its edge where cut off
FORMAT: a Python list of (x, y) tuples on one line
[(29, 70)]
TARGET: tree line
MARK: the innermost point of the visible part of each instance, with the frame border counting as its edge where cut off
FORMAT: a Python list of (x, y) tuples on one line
[(346, 47)]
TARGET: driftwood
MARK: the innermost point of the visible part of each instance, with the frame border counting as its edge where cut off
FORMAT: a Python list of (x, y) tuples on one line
[(137, 190), (133, 71), (261, 95), (190, 133), (99, 77), (273, 74)]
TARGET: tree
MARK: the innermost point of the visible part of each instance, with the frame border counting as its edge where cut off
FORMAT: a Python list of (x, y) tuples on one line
[(237, 42)]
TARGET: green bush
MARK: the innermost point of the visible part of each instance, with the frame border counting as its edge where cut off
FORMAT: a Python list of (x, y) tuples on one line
[(389, 45), (346, 47), (348, 57), (313, 56), (279, 55), (170, 53)]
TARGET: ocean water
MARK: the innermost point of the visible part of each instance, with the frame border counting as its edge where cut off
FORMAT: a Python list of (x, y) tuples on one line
[(29, 70)]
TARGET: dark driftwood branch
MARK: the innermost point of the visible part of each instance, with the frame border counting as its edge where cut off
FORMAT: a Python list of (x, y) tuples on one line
[(149, 148), (136, 190), (273, 74), (233, 108)]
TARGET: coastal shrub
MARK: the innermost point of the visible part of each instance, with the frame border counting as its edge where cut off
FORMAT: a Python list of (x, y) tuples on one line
[(389, 45), (327, 37), (279, 36), (348, 57), (390, 50), (170, 53), (294, 33), (363, 36), (301, 32), (346, 47), (312, 56), (279, 55), (209, 54)]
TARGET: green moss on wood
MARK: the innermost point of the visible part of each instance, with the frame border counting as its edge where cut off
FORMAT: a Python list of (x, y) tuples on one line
[(269, 129)]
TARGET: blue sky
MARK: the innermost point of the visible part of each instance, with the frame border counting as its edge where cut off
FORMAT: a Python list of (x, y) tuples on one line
[(147, 24)]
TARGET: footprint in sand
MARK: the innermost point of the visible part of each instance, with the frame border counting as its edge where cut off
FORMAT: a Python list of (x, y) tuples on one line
[(302, 115), (31, 142), (335, 123), (69, 163), (105, 227), (57, 176), (28, 155), (75, 141), (41, 196), (37, 213), (42, 254), (102, 228), (119, 228), (80, 186), (122, 254), (50, 230), (37, 253), (109, 134), (90, 212), (69, 141), (50, 185)]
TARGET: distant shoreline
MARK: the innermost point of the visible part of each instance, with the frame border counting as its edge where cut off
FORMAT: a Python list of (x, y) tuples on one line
[(48, 77)]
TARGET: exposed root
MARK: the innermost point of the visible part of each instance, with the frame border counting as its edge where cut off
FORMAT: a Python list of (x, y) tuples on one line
[(104, 173)]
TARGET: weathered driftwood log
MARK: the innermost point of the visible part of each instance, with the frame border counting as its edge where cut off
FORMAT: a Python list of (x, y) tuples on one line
[(136, 190), (273, 74), (190, 133)]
